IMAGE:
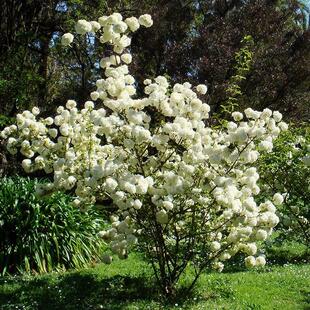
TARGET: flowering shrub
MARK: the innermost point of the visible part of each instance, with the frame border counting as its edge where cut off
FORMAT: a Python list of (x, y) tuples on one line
[(184, 192)]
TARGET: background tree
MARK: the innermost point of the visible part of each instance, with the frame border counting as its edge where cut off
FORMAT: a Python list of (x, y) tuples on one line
[(31, 75), (193, 39), (279, 78)]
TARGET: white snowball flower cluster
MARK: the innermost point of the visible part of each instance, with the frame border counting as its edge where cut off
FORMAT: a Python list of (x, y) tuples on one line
[(251, 261), (67, 39), (132, 23), (83, 26), (202, 89), (146, 20), (179, 185)]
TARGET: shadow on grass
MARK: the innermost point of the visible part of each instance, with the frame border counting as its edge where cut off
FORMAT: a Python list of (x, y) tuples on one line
[(88, 291), (93, 289), (76, 291)]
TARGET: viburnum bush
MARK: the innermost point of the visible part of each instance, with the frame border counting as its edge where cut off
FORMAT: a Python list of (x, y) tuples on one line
[(184, 192)]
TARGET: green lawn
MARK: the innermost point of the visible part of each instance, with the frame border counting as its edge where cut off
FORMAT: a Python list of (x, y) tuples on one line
[(127, 285)]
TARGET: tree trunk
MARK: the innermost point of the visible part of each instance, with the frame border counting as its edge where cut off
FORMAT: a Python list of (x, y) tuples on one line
[(43, 71)]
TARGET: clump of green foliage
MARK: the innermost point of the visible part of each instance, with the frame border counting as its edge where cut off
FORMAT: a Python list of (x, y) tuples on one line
[(41, 235), (5, 120), (286, 170), (243, 60)]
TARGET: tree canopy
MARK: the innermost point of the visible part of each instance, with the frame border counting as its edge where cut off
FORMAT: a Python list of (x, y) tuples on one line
[(192, 39)]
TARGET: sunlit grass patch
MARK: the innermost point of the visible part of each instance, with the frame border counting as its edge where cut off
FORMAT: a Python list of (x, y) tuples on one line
[(128, 284)]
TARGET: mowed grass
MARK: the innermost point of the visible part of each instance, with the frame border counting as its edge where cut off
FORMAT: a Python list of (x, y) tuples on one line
[(128, 284)]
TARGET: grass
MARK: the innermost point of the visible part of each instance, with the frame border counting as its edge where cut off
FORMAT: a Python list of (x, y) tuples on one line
[(127, 285)]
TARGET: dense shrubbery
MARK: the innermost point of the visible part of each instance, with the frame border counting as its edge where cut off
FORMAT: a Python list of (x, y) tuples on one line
[(286, 252), (40, 235), (287, 170)]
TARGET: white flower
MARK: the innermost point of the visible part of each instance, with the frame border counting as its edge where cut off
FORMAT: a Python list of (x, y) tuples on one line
[(202, 89), (272, 220), (215, 246), (131, 239), (126, 58), (237, 116), (70, 104), (102, 234), (70, 182), (130, 188), (94, 95), (250, 249), (83, 26), (67, 39), (53, 132), (64, 130), (137, 204), (115, 18), (124, 41), (89, 105), (132, 23), (250, 204), (277, 116), (266, 114), (261, 235), (241, 135), (250, 113), (277, 199), (111, 184), (250, 261), (49, 121), (168, 205), (147, 82), (76, 202), (266, 146), (103, 20), (105, 62), (146, 20), (187, 85), (95, 26), (120, 27), (35, 111), (260, 261), (11, 141), (283, 126), (26, 164)]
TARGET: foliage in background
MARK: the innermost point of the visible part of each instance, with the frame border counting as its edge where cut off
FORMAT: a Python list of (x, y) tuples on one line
[(287, 170), (193, 39), (286, 251), (43, 235), (243, 58), (243, 62), (5, 121), (279, 78), (30, 73)]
